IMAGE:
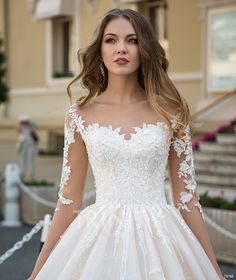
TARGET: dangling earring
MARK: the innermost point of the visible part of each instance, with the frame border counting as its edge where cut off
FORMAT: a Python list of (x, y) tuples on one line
[(102, 70), (103, 75)]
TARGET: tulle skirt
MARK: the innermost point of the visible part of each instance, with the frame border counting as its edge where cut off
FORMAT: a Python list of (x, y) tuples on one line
[(124, 242)]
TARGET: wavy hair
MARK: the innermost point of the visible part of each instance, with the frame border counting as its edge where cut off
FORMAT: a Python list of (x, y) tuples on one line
[(153, 78)]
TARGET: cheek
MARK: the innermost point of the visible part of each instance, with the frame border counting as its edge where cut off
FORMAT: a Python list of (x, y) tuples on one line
[(106, 51)]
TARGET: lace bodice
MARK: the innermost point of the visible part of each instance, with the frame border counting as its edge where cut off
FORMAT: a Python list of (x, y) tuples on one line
[(130, 170)]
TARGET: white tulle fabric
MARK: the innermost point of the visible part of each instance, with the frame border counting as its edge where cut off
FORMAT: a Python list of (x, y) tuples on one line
[(130, 232)]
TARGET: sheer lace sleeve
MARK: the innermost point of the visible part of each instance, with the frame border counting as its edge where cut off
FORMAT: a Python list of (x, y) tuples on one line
[(182, 173), (70, 194), (75, 163), (184, 189)]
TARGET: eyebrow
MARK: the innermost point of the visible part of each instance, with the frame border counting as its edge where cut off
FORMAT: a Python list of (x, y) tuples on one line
[(113, 34)]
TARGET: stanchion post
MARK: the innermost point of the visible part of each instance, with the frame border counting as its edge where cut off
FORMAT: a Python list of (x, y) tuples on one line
[(11, 196)]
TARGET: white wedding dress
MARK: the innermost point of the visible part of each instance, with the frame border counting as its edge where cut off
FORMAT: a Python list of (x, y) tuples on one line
[(130, 232)]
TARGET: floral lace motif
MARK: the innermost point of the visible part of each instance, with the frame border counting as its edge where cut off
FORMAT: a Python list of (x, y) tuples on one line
[(110, 160), (181, 146), (69, 138), (131, 213)]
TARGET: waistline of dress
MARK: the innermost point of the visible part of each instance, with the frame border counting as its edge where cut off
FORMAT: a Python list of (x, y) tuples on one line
[(104, 202)]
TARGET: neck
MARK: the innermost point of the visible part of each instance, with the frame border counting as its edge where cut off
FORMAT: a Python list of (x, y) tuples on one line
[(124, 89)]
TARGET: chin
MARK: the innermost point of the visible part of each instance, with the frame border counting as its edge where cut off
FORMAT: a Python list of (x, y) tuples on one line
[(124, 72)]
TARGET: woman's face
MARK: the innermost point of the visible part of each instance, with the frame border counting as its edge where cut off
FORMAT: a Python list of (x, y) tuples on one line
[(120, 40)]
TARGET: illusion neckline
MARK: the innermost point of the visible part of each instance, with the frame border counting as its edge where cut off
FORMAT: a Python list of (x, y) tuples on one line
[(117, 130)]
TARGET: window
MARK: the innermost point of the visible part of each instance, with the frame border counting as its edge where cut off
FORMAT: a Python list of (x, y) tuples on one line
[(156, 13), (221, 49), (61, 34)]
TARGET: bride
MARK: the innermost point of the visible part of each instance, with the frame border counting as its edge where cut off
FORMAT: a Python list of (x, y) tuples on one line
[(130, 125)]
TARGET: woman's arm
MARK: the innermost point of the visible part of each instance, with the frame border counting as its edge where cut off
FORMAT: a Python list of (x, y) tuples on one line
[(74, 170), (184, 191)]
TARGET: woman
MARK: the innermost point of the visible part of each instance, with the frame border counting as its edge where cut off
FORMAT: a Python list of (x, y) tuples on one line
[(26, 147), (130, 125)]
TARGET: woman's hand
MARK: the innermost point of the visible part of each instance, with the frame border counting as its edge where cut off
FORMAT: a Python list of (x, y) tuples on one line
[(221, 277)]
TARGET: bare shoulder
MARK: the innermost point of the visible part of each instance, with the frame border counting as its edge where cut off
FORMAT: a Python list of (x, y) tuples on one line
[(86, 110)]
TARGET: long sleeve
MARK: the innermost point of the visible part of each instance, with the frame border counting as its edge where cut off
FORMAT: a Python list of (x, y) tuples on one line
[(70, 194), (184, 190), (74, 167), (181, 167)]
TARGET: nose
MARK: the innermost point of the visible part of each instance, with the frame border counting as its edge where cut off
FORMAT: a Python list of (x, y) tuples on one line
[(121, 48)]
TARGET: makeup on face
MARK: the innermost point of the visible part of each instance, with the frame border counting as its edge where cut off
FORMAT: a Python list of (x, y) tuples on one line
[(120, 47)]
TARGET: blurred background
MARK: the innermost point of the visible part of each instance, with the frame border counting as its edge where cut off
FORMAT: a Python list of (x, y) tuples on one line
[(39, 40)]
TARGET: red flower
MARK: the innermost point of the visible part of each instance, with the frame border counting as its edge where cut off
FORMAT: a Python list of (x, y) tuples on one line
[(223, 127)]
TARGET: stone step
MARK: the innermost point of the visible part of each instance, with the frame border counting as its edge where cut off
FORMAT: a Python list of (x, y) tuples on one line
[(218, 148), (216, 168), (227, 192), (223, 180), (226, 138), (200, 156)]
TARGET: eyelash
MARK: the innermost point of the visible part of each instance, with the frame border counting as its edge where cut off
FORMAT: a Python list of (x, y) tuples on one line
[(108, 40)]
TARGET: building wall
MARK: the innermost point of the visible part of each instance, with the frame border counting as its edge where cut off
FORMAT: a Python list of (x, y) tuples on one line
[(26, 46), (185, 47), (2, 25), (44, 100), (184, 36)]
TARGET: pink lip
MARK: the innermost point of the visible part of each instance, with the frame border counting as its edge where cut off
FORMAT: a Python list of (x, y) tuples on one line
[(122, 58), (121, 61)]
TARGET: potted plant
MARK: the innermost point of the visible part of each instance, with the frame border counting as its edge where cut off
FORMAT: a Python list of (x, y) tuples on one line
[(63, 74), (31, 210), (223, 213), (217, 202)]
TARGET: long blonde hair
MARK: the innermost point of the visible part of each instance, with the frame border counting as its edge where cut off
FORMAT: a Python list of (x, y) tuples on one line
[(153, 78)]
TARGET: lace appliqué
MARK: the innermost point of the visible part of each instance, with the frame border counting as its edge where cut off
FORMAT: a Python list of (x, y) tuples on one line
[(76, 123), (181, 146)]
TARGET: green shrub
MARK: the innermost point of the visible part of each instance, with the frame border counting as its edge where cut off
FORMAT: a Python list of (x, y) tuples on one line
[(63, 74), (36, 183), (217, 202)]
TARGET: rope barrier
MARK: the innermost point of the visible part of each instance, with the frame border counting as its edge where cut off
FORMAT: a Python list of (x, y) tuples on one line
[(36, 197), (18, 245), (208, 220), (88, 196), (219, 228)]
